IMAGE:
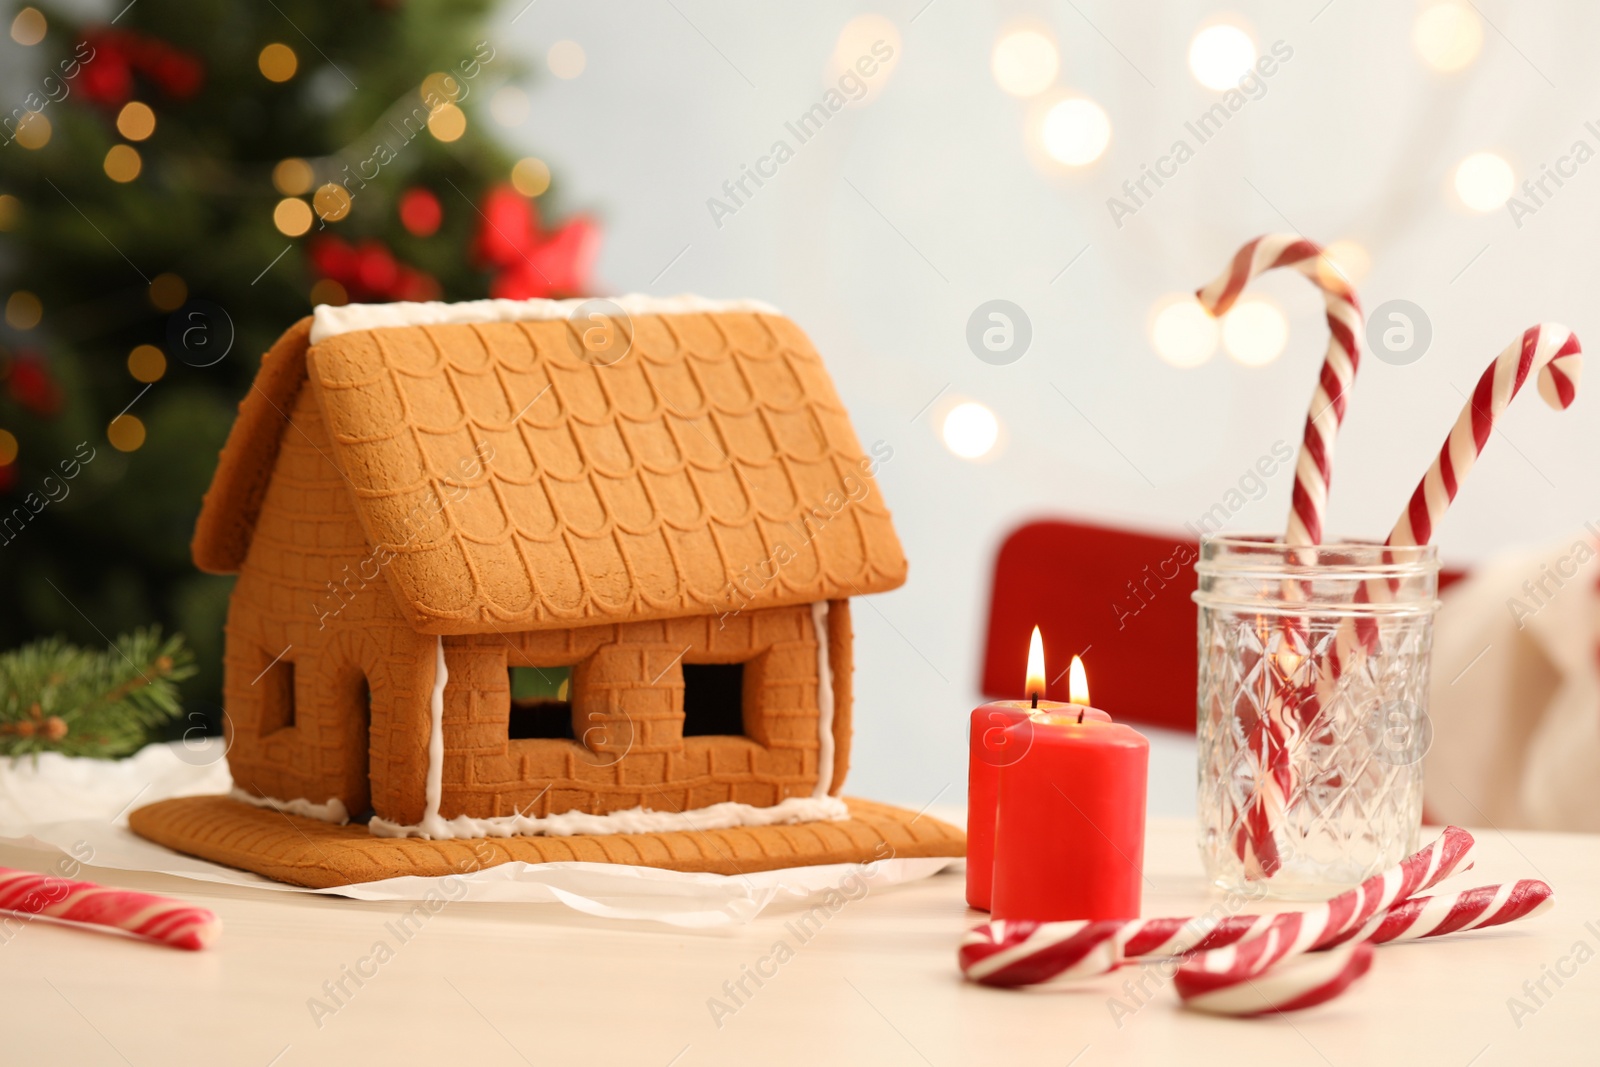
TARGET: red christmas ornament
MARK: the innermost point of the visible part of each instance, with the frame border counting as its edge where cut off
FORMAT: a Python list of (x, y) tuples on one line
[(107, 74), (31, 385), (369, 272), (420, 212), (529, 263), (106, 78), (376, 270)]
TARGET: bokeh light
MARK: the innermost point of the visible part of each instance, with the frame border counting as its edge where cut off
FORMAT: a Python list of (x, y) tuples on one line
[(331, 202), (327, 291), (29, 26), (1344, 261), (566, 59), (1484, 181), (1075, 132), (168, 292), (530, 176), (33, 130), (1448, 36), (855, 49), (122, 163), (8, 448), (1184, 333), (147, 363), (10, 212), (509, 105), (1220, 55), (23, 310), (447, 123), (440, 88), (277, 62), (293, 177), (1024, 62), (292, 217), (1254, 331), (126, 433), (420, 212), (970, 430), (136, 121)]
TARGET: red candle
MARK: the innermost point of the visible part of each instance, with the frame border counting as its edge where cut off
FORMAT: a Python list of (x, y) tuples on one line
[(1069, 820), (992, 746)]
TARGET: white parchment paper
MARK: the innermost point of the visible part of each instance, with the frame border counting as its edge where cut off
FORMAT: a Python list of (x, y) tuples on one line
[(62, 805)]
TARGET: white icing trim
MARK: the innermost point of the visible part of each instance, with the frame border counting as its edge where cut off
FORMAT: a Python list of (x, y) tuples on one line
[(432, 825), (819, 807), (333, 811), (328, 321), (633, 821), (819, 624)]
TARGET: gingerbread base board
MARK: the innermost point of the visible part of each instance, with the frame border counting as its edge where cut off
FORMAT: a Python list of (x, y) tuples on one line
[(319, 855)]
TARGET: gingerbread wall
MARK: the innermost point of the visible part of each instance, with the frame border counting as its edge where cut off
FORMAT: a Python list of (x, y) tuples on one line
[(350, 644), (627, 690), (342, 644)]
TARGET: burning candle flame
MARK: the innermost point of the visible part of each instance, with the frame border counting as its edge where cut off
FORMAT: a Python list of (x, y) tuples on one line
[(1034, 687), (1078, 683)]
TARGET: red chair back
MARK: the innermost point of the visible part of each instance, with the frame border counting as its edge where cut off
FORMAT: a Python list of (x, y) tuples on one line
[(1120, 599)]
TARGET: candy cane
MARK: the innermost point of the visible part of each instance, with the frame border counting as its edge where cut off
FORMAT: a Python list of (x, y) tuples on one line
[(1314, 466), (1471, 909), (1551, 352), (1291, 986), (1009, 954), (1013, 953), (1548, 350), (1297, 932), (1270, 745), (1017, 953), (159, 919)]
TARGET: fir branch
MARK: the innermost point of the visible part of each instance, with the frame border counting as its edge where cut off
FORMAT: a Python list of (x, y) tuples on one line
[(56, 697)]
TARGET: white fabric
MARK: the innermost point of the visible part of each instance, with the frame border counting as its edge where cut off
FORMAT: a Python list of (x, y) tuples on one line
[(327, 321), (1515, 700)]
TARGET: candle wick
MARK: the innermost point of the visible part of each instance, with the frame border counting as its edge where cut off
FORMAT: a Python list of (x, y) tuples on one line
[(1080, 714), (1035, 701)]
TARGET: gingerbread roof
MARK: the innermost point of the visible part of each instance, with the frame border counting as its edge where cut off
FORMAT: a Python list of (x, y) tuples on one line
[(510, 483)]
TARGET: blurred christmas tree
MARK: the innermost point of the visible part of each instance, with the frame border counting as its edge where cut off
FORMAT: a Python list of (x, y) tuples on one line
[(178, 186)]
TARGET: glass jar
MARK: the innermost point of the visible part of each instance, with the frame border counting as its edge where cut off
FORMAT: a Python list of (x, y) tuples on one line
[(1312, 703)]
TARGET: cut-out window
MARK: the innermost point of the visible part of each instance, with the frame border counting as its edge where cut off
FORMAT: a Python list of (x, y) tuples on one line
[(277, 696), (713, 699), (541, 703)]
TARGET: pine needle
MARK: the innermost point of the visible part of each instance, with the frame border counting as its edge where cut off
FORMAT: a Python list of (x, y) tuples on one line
[(56, 697)]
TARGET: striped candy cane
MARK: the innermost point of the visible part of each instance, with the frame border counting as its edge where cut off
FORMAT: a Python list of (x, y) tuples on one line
[(1314, 466), (1017, 953), (1291, 986), (160, 919), (1551, 353), (1297, 932), (1013, 953), (1270, 744), (1471, 909)]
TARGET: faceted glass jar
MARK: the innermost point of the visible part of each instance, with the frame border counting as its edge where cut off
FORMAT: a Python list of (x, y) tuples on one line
[(1312, 705)]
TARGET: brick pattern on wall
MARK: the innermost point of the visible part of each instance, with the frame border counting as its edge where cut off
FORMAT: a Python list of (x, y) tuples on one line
[(352, 649), (628, 714), (308, 535)]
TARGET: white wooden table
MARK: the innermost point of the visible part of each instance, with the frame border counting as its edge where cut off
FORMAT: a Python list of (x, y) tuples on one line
[(491, 984)]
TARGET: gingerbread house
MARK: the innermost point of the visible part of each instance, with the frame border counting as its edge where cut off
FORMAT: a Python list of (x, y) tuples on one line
[(496, 583)]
